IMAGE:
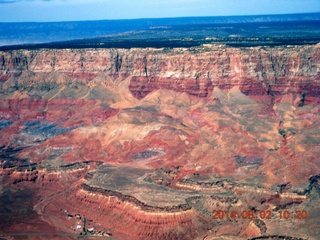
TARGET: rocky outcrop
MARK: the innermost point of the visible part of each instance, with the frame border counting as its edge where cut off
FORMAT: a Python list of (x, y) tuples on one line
[(42, 176), (147, 143), (134, 201), (256, 71)]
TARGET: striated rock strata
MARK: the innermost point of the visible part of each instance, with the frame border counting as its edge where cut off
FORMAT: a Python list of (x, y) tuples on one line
[(256, 71), (149, 143)]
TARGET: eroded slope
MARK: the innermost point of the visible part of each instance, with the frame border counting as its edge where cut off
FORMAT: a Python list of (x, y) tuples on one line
[(147, 143)]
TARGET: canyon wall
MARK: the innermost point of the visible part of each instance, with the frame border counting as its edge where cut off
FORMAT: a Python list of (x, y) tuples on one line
[(256, 70), (149, 143)]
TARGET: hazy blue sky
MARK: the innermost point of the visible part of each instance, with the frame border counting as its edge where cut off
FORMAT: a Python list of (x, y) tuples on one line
[(66, 10)]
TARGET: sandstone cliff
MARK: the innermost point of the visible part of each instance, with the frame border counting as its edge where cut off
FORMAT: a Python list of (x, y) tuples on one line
[(256, 70), (147, 143)]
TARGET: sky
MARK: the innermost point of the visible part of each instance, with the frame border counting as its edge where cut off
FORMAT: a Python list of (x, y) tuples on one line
[(73, 10)]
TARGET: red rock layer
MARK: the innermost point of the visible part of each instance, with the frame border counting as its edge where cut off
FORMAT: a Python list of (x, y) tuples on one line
[(139, 221), (227, 133), (257, 71), (118, 214), (55, 110)]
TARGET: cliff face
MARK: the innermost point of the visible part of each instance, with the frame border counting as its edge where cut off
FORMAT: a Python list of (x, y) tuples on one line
[(149, 143), (257, 71)]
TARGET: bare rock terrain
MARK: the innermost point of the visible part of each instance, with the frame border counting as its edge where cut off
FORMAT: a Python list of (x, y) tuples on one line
[(151, 143)]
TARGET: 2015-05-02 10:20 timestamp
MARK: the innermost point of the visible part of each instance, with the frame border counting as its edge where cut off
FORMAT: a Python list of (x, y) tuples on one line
[(262, 214)]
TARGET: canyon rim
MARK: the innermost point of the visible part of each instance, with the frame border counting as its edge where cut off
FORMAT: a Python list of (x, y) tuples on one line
[(147, 143)]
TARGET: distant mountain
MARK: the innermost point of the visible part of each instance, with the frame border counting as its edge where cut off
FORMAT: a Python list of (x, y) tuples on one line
[(34, 32)]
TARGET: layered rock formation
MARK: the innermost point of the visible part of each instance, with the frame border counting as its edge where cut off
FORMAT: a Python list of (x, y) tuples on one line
[(256, 71), (147, 143)]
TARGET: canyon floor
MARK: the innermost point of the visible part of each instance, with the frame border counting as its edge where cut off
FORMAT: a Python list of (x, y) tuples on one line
[(210, 142)]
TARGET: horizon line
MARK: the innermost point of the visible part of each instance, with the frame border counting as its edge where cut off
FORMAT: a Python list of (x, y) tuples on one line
[(147, 18)]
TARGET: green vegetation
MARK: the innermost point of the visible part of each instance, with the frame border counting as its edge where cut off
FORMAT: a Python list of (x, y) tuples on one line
[(282, 132)]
